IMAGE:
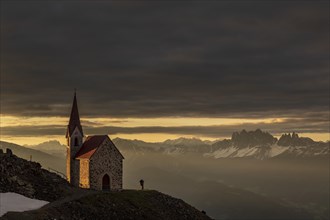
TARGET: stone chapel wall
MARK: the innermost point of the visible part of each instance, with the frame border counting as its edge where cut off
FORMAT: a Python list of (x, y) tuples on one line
[(75, 171), (106, 160), (84, 173)]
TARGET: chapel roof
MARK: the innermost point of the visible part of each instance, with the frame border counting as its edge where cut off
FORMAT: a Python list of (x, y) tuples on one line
[(90, 146)]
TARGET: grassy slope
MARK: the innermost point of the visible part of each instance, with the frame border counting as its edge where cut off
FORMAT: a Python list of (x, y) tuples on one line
[(127, 204)]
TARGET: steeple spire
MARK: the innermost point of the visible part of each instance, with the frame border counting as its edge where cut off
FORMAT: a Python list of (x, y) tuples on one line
[(74, 118)]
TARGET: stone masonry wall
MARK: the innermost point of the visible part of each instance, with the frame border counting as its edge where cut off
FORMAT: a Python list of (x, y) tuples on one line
[(72, 165), (106, 160), (68, 164), (75, 171), (84, 173)]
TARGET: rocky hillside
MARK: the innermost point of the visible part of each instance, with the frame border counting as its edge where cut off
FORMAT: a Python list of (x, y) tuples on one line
[(29, 179), (41, 155)]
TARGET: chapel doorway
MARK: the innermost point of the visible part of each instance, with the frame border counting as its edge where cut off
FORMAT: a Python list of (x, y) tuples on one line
[(106, 182)]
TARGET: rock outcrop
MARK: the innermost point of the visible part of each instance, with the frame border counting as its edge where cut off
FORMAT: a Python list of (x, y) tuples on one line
[(29, 179), (252, 138), (295, 140)]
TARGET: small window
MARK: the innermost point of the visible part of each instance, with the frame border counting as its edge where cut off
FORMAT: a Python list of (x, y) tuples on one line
[(76, 143)]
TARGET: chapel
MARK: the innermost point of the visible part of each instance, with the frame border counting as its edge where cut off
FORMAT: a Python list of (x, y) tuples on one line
[(94, 161)]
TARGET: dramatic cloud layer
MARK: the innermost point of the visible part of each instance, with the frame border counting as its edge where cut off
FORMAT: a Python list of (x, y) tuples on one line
[(211, 131), (157, 59)]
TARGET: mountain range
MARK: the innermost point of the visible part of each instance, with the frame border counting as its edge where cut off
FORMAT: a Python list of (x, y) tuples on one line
[(262, 145), (52, 147), (244, 144)]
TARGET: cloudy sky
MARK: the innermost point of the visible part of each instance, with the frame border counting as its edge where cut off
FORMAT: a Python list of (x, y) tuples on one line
[(164, 69)]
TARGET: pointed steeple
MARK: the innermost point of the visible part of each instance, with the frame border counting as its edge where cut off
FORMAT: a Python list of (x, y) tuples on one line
[(74, 118)]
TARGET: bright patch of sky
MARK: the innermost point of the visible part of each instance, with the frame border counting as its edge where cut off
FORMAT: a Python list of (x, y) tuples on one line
[(131, 122)]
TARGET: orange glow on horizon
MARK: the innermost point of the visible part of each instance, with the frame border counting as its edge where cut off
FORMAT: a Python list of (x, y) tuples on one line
[(7, 121), (12, 121)]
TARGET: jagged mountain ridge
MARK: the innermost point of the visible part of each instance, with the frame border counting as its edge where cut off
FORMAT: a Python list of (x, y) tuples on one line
[(185, 142), (262, 145), (244, 144)]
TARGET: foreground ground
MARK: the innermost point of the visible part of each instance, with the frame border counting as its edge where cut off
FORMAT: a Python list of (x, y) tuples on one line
[(126, 204)]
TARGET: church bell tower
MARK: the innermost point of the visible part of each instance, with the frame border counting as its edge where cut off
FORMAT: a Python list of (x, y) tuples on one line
[(74, 136)]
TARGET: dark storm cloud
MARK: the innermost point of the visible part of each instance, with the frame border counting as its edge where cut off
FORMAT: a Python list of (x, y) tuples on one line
[(147, 59)]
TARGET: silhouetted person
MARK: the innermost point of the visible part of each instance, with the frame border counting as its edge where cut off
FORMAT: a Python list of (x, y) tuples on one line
[(142, 184)]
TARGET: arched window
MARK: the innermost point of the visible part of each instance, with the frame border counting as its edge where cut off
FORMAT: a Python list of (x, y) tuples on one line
[(76, 143)]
